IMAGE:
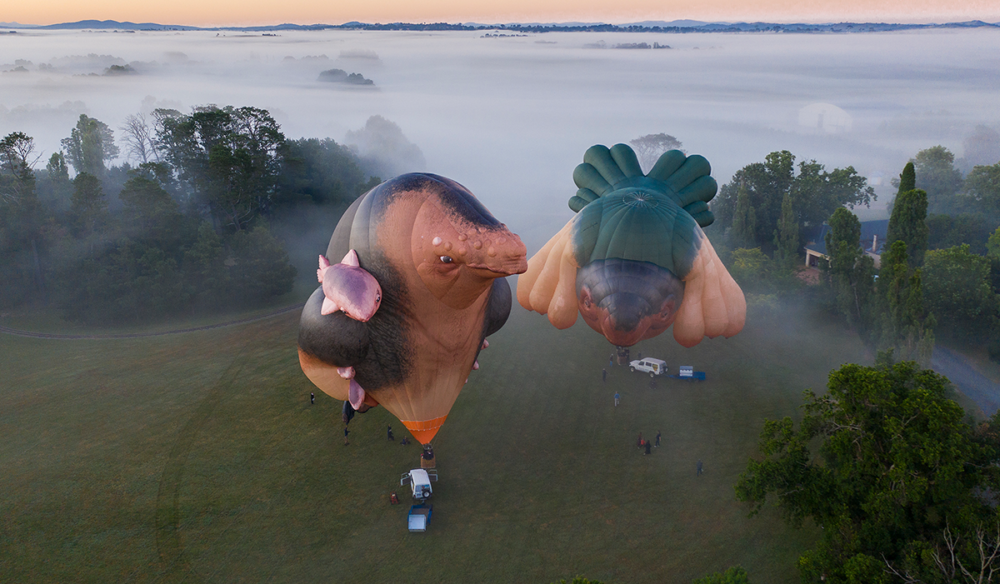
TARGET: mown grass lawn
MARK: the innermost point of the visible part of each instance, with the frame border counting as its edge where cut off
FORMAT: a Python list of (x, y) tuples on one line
[(197, 458)]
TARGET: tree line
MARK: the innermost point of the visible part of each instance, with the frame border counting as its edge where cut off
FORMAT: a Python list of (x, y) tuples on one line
[(939, 270), (901, 482), (182, 225)]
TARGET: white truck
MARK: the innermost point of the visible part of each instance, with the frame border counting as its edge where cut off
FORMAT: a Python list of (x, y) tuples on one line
[(649, 365), (419, 480)]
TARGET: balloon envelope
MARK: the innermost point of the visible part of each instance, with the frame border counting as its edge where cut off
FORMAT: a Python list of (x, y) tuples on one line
[(440, 259), (634, 260)]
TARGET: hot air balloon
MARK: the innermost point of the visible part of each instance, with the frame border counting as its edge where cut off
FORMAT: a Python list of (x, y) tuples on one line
[(634, 260), (439, 259)]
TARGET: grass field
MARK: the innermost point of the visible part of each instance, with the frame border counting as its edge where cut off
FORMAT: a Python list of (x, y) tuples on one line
[(197, 458)]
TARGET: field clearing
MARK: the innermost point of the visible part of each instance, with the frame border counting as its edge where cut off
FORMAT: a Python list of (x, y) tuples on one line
[(197, 457)]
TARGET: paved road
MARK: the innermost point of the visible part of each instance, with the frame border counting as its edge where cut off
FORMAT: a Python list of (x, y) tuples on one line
[(979, 388), (56, 336)]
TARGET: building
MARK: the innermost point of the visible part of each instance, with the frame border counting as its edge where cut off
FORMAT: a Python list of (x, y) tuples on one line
[(872, 241)]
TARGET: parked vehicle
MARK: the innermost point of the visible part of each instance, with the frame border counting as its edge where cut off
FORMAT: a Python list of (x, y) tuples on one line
[(419, 480), (419, 517), (649, 365)]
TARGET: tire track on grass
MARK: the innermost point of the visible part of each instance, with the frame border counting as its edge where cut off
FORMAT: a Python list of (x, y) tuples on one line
[(173, 560), (114, 336)]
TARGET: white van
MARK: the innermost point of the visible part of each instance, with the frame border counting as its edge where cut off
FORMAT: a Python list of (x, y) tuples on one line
[(649, 365)]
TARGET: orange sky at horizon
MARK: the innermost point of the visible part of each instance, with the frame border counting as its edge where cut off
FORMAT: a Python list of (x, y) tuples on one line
[(233, 12)]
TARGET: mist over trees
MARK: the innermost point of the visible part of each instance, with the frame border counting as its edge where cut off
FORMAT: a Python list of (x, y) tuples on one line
[(187, 228), (933, 281)]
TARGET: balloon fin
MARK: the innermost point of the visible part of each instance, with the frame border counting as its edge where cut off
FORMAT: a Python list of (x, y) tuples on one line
[(329, 307), (357, 395), (549, 285), (713, 303)]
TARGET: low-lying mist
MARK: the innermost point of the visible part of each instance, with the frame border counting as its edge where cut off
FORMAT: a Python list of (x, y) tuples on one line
[(511, 117)]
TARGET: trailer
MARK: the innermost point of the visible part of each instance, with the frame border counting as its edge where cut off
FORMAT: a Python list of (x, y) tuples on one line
[(419, 517), (687, 373)]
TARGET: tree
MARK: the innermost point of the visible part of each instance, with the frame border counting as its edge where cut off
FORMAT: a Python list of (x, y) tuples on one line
[(139, 140), (15, 166), (957, 289), (983, 189), (907, 179), (908, 223), (648, 148), (851, 271), (90, 145), (89, 208), (149, 213), (937, 176), (319, 171), (260, 268), (814, 193), (744, 229), (993, 245), (906, 327), (21, 220), (946, 231), (887, 465), (228, 158), (734, 575), (206, 275), (786, 236)]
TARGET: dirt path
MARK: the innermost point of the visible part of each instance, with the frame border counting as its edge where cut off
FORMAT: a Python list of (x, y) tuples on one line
[(56, 336), (979, 388)]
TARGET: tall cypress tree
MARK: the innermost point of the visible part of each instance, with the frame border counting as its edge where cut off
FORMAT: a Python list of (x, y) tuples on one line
[(905, 324), (786, 236), (907, 180), (908, 223)]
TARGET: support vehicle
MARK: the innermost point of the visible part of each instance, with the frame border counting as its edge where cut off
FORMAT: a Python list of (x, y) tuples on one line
[(419, 480), (649, 365)]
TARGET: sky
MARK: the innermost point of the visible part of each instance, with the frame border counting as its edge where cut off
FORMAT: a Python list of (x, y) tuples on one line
[(258, 12)]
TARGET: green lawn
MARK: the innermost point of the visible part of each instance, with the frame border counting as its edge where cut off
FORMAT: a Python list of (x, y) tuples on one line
[(197, 458)]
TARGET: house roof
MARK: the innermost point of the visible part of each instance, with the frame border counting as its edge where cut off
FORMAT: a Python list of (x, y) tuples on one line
[(816, 241)]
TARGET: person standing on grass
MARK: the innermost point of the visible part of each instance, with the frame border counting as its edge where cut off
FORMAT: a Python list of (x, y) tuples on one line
[(617, 398), (657, 438), (647, 447), (699, 468), (611, 360), (391, 439), (312, 398), (346, 432), (639, 443)]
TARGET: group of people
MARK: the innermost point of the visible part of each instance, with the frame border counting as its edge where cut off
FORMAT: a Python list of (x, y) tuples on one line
[(646, 445)]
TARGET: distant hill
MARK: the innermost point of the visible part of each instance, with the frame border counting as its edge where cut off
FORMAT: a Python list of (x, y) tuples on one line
[(675, 26)]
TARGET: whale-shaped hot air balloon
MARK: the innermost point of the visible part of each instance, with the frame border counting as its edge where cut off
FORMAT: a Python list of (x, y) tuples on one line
[(634, 260), (437, 261)]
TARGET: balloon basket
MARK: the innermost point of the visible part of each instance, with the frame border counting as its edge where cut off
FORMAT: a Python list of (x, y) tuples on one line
[(424, 463)]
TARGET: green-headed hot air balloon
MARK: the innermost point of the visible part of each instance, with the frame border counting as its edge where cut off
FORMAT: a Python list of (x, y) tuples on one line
[(634, 260)]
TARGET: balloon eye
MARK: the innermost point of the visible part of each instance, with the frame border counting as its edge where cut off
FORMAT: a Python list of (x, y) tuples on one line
[(446, 259), (378, 298)]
